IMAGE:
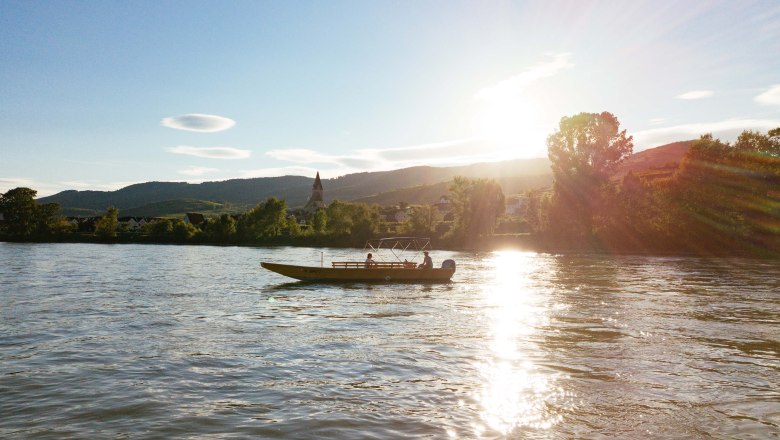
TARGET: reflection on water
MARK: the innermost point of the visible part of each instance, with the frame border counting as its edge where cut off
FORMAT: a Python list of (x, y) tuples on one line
[(189, 342), (515, 391)]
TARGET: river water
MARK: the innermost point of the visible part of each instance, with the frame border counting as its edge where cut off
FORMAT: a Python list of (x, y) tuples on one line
[(144, 341)]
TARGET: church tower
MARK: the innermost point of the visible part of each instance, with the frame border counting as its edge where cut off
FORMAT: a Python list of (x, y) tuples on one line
[(315, 201)]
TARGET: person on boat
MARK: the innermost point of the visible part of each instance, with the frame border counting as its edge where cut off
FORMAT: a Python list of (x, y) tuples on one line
[(369, 260), (427, 262)]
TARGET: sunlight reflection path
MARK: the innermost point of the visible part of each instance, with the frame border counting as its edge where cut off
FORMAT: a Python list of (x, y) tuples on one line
[(515, 392)]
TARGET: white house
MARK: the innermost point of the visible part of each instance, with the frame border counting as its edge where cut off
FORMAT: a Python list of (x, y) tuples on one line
[(443, 205)]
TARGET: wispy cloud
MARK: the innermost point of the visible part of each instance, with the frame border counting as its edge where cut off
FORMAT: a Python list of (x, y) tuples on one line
[(211, 152), (360, 159), (727, 129), (302, 155), (770, 97), (518, 82), (197, 171), (9, 183), (47, 188), (94, 185), (198, 122), (448, 153), (290, 171), (696, 94)]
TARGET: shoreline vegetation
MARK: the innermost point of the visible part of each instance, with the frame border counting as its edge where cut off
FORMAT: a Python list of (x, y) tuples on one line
[(528, 242), (515, 242), (722, 200)]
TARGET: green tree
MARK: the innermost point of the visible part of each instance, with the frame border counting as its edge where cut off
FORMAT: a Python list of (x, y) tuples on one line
[(477, 205), (583, 152), (358, 220), (293, 229), (319, 221), (634, 216), (724, 191), (48, 221), (221, 229), (339, 218), (533, 213), (423, 220), (182, 231), (160, 229), (19, 211), (105, 227), (268, 219)]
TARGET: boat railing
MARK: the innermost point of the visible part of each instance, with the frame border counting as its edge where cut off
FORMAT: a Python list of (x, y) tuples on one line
[(374, 265)]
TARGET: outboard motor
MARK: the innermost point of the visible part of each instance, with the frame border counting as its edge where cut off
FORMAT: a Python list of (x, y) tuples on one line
[(448, 264)]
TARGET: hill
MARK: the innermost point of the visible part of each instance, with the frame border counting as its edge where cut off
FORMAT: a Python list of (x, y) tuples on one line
[(654, 163), (413, 185), (177, 208), (241, 194), (236, 191), (428, 194)]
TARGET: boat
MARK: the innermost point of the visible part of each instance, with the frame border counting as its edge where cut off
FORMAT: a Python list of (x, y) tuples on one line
[(377, 271)]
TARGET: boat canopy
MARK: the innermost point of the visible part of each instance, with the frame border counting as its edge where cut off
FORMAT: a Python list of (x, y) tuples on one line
[(399, 246)]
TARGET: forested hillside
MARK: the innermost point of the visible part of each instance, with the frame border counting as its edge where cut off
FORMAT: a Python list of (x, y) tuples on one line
[(295, 190), (415, 185)]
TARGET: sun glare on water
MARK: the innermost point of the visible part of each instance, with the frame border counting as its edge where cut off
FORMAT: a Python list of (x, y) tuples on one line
[(514, 392)]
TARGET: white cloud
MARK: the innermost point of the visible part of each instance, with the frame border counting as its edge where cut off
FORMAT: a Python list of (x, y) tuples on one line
[(211, 152), (198, 122), (728, 130), (518, 82), (454, 151), (287, 171), (302, 155), (198, 171), (9, 183), (93, 185), (696, 94), (448, 153), (47, 188), (657, 121), (770, 97)]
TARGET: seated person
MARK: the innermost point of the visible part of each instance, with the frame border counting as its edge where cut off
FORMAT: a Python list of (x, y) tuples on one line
[(427, 262), (369, 260)]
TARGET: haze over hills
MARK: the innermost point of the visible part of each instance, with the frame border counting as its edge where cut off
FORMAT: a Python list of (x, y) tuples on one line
[(665, 156), (239, 195), (413, 185)]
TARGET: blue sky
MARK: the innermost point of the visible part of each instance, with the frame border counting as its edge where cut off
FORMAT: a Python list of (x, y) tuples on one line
[(101, 94)]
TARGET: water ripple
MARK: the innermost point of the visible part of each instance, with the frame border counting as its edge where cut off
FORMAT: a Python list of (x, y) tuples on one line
[(188, 341)]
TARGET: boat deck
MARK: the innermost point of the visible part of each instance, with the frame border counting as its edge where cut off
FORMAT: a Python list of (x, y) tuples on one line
[(374, 265)]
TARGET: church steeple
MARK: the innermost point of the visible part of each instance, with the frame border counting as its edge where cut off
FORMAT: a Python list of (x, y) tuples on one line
[(316, 200), (317, 184)]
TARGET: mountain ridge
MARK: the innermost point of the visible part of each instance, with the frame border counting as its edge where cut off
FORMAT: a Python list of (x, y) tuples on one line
[(419, 184), (294, 189)]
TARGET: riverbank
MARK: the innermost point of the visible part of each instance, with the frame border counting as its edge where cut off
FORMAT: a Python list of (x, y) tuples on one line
[(521, 242)]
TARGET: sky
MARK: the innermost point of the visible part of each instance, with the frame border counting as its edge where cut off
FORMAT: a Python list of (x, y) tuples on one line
[(98, 95)]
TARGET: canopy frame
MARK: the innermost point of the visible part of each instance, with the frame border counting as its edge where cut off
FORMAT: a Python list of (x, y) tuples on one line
[(400, 246)]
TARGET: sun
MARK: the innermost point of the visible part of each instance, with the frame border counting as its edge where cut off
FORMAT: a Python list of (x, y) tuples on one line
[(511, 124)]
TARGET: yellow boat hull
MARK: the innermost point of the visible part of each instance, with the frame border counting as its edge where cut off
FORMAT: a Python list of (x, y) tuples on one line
[(331, 274)]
